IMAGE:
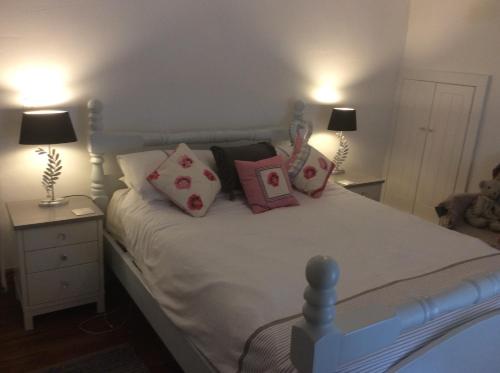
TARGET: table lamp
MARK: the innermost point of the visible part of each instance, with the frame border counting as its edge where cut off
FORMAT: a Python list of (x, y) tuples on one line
[(48, 127), (342, 119)]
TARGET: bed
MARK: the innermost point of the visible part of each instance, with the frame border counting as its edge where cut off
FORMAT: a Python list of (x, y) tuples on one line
[(225, 292)]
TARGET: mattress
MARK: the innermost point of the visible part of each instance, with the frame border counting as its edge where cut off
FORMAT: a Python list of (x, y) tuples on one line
[(225, 278)]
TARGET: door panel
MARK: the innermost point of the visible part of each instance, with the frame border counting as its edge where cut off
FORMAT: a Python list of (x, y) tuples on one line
[(443, 148), (415, 109)]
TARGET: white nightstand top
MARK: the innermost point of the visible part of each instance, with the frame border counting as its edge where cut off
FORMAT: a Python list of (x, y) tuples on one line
[(27, 214), (357, 179)]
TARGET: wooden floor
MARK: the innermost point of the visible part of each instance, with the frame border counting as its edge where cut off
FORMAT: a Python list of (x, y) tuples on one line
[(57, 337)]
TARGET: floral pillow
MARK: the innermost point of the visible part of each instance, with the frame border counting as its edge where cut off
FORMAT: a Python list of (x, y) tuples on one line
[(266, 184), (186, 181), (308, 169)]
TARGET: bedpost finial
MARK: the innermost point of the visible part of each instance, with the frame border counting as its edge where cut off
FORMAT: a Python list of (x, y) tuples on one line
[(94, 105), (322, 272), (297, 120), (316, 340), (94, 115), (299, 106)]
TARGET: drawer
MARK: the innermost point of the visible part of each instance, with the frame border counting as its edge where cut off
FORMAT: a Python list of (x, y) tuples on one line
[(372, 191), (52, 286), (59, 235), (60, 257)]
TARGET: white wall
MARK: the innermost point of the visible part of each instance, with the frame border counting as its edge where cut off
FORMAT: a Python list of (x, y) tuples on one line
[(198, 64), (462, 36)]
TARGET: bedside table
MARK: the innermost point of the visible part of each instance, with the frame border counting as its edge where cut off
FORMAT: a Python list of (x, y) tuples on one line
[(370, 187), (60, 262)]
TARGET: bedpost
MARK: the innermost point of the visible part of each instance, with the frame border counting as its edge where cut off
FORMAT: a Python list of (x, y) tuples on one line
[(97, 191), (315, 344), (297, 119)]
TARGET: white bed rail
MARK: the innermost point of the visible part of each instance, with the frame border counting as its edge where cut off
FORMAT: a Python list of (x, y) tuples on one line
[(319, 344)]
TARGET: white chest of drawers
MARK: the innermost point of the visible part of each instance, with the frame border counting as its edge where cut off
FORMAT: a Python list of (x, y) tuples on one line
[(367, 186), (60, 263)]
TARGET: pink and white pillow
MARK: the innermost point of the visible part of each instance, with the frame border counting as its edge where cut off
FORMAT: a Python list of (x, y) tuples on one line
[(186, 181), (308, 169), (266, 184)]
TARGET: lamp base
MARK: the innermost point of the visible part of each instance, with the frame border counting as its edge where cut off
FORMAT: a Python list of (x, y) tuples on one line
[(341, 154), (52, 202)]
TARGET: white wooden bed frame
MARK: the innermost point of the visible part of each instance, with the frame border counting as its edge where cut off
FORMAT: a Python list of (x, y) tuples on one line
[(320, 343)]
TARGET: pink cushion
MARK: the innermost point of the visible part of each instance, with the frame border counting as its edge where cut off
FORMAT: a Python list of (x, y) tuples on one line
[(266, 184), (308, 169), (186, 181)]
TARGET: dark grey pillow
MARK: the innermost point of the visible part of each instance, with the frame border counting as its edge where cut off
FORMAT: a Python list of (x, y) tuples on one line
[(225, 157)]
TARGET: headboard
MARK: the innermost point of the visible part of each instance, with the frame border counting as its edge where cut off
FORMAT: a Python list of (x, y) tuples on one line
[(103, 143)]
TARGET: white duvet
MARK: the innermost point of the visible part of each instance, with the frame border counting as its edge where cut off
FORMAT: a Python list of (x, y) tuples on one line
[(221, 277)]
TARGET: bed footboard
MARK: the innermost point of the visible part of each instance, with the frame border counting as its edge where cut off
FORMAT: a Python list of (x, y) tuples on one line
[(320, 344)]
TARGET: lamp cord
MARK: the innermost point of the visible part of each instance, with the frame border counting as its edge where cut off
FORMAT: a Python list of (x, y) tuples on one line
[(77, 195), (3, 278), (110, 326)]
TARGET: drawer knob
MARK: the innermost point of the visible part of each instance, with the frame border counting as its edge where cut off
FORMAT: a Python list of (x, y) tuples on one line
[(64, 257), (64, 284), (61, 236)]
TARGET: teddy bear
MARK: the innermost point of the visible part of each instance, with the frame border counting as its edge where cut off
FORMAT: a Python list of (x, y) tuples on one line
[(484, 212), (496, 176)]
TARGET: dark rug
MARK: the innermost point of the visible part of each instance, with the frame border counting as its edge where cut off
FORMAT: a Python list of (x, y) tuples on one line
[(120, 359)]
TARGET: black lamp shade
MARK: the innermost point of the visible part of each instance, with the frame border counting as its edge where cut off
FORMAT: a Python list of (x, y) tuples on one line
[(43, 127), (342, 119)]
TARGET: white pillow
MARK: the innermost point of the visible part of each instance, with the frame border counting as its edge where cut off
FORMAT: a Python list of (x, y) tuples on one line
[(124, 181), (137, 166), (285, 151)]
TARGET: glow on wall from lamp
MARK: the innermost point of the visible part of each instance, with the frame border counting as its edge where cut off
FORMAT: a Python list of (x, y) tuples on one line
[(326, 94), (40, 86), (325, 142)]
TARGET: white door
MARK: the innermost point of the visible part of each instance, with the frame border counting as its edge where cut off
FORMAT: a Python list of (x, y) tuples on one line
[(413, 117), (443, 147)]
